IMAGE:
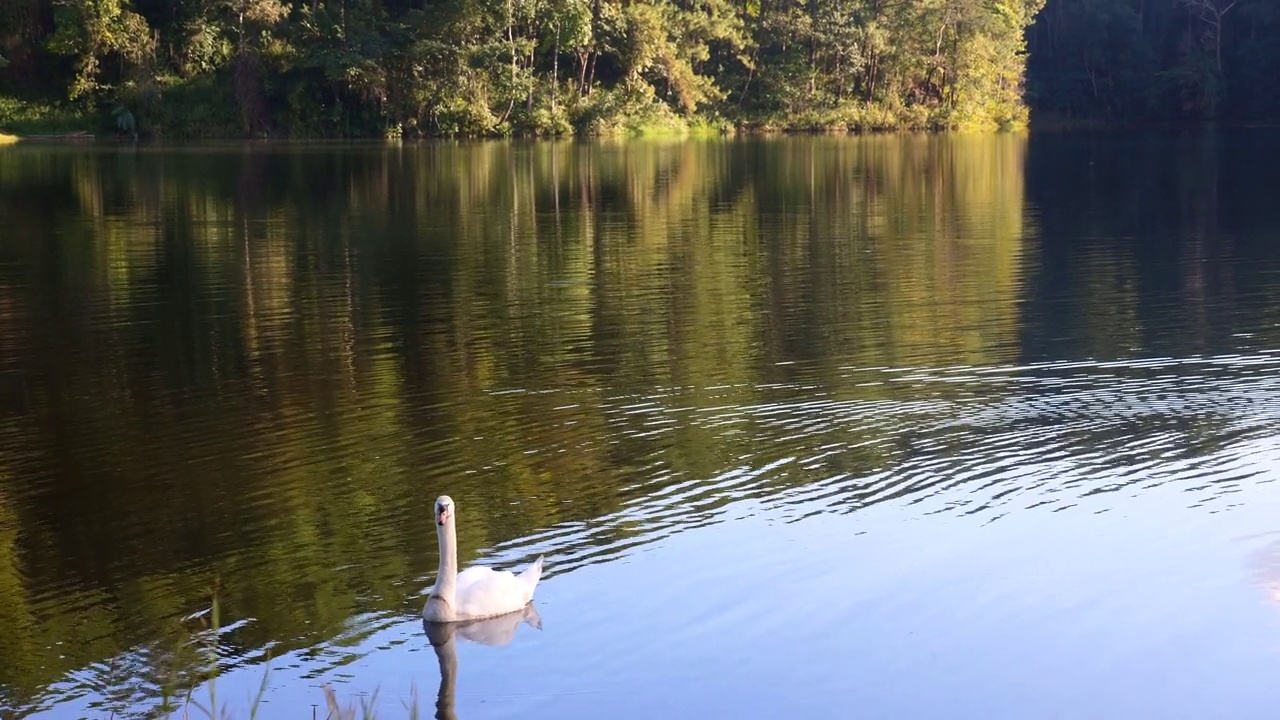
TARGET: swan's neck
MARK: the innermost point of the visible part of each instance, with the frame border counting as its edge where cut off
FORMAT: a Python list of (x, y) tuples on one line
[(447, 580)]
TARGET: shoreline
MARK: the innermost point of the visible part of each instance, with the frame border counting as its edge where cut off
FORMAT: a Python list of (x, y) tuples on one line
[(1045, 126)]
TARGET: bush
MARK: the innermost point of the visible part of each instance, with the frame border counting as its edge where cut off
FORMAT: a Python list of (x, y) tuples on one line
[(203, 107), (28, 118), (620, 111)]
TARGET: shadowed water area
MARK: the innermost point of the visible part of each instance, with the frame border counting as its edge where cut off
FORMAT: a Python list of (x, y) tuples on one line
[(972, 426)]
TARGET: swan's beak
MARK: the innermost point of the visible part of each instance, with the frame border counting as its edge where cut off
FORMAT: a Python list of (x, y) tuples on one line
[(442, 517)]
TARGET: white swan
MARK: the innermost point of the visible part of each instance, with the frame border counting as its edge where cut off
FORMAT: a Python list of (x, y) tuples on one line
[(477, 592)]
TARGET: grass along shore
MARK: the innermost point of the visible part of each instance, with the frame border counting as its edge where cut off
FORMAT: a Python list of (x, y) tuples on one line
[(20, 119)]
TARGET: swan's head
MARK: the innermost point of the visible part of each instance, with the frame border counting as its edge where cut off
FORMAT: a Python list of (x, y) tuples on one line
[(444, 510)]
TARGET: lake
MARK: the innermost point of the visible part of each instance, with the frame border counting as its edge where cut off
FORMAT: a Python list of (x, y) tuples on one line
[(895, 426)]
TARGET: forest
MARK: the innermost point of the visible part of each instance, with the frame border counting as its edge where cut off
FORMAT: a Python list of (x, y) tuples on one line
[(413, 68), (369, 68)]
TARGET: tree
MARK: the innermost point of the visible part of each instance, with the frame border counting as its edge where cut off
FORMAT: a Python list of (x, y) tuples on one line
[(95, 32), (1211, 13)]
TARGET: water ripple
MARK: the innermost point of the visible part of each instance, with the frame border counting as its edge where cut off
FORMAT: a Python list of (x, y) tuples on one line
[(1041, 437)]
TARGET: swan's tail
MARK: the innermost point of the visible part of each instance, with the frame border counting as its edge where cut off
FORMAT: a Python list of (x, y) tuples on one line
[(530, 577)]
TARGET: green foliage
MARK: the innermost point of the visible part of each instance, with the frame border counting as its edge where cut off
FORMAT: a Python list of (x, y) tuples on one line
[(31, 118), (366, 68), (864, 63), (627, 112), (95, 31), (125, 121), (200, 108)]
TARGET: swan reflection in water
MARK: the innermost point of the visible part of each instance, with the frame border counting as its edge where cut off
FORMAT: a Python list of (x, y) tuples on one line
[(444, 639)]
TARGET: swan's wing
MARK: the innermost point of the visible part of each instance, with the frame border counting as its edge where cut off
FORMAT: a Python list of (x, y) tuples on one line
[(486, 592), (471, 576)]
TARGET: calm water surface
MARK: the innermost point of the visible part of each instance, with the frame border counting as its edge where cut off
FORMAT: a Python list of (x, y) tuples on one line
[(881, 427)]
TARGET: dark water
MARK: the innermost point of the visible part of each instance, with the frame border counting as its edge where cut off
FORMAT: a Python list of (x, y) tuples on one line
[(902, 426)]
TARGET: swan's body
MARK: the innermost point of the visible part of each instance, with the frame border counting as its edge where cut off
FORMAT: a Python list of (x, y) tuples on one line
[(482, 592), (477, 592)]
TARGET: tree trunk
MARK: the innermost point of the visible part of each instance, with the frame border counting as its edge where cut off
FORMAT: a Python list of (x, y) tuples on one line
[(555, 71), (511, 38), (872, 71), (751, 73), (1217, 42), (532, 81)]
